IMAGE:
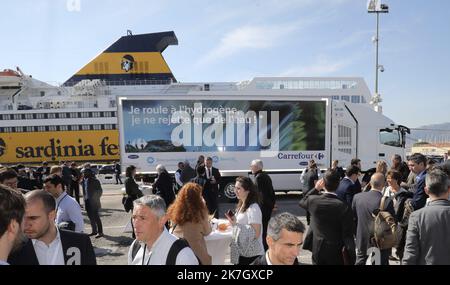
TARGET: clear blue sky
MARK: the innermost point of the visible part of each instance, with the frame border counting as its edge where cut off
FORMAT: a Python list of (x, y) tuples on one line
[(236, 40)]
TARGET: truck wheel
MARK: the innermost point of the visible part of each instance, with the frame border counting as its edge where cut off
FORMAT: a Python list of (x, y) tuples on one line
[(228, 191)]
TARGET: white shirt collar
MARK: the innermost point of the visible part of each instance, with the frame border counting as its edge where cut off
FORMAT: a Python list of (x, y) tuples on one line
[(51, 254)]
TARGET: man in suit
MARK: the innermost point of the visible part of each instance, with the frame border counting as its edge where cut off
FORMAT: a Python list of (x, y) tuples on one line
[(331, 224), (417, 164), (46, 244), (212, 174), (265, 188), (117, 171), (12, 210), (284, 237), (429, 227), (92, 191), (357, 162), (163, 185), (347, 189), (363, 206)]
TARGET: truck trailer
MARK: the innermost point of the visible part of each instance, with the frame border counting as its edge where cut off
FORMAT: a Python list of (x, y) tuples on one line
[(285, 131)]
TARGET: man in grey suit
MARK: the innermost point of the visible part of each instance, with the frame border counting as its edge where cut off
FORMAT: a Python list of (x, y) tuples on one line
[(364, 204), (429, 227)]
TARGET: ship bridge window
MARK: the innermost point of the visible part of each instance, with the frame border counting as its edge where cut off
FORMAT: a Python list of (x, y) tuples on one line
[(17, 116), (96, 114), (62, 115), (107, 114), (335, 97), (40, 116), (74, 128), (19, 129), (97, 127), (8, 129), (41, 128), (63, 128), (28, 116), (73, 115), (30, 129), (356, 99), (6, 117), (84, 114), (345, 98), (51, 116), (52, 128), (108, 127), (85, 127)]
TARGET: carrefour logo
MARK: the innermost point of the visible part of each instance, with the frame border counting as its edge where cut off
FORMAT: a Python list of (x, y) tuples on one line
[(319, 156), (150, 160), (2, 147), (300, 155)]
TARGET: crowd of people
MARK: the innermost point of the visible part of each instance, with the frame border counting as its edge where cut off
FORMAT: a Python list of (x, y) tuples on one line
[(354, 217)]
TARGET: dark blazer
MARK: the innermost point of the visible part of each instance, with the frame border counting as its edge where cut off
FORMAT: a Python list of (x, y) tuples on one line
[(187, 174), (420, 197), (164, 187), (261, 260), (217, 176), (331, 228), (132, 189), (428, 234), (346, 190), (93, 192), (363, 206), (265, 187), (77, 249)]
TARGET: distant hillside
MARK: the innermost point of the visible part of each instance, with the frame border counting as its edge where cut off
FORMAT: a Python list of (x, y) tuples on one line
[(437, 133)]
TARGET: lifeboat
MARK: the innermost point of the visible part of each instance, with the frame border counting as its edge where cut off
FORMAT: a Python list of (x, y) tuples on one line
[(9, 78)]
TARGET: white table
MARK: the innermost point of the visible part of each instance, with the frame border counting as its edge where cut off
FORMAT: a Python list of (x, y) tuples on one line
[(217, 244)]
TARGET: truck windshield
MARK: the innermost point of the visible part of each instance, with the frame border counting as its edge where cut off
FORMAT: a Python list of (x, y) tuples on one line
[(390, 137)]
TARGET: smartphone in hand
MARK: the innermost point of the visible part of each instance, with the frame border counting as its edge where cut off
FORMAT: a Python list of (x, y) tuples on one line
[(230, 213)]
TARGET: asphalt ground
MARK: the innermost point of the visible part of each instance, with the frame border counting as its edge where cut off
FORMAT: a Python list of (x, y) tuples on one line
[(112, 249)]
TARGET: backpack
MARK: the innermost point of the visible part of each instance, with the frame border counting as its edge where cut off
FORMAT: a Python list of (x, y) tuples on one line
[(175, 249), (385, 228)]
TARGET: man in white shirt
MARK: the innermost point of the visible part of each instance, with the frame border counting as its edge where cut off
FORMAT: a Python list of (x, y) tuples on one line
[(153, 242), (67, 209), (12, 210), (284, 237), (47, 245)]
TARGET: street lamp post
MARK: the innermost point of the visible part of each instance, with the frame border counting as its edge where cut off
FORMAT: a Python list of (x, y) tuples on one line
[(374, 6)]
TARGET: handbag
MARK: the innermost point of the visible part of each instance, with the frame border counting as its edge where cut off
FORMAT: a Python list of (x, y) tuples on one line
[(127, 203)]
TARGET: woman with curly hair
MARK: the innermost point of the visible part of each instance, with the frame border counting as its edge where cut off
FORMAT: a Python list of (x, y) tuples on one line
[(189, 217)]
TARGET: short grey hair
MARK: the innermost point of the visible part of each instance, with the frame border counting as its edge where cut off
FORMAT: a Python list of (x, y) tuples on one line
[(258, 163), (154, 202), (160, 168), (436, 181), (285, 221), (377, 180)]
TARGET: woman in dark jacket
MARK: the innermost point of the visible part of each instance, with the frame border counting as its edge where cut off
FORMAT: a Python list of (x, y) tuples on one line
[(163, 185), (400, 197), (132, 189)]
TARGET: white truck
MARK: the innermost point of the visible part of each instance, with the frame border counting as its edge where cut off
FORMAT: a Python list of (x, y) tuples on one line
[(284, 131)]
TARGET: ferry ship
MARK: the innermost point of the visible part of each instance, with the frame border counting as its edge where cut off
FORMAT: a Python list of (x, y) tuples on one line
[(77, 120)]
